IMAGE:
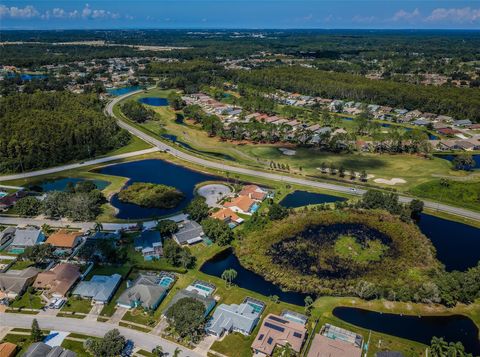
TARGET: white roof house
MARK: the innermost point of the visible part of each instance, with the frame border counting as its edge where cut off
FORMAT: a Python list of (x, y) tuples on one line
[(227, 318)]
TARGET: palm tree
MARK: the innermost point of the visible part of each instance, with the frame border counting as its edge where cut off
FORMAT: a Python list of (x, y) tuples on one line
[(158, 351), (46, 228), (438, 347), (229, 275)]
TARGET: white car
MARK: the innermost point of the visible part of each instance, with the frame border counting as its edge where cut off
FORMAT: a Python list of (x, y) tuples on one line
[(353, 189)]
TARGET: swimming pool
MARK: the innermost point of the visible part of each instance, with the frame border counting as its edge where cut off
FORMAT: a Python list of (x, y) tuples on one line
[(3, 194), (165, 281), (254, 208), (257, 305)]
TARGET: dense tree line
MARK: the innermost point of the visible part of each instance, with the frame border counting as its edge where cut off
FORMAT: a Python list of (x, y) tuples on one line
[(46, 129), (137, 112), (151, 195), (457, 102)]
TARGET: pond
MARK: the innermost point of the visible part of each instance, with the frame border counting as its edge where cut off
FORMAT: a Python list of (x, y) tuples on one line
[(247, 279), (421, 329), (173, 138), (26, 76), (155, 171), (305, 198), (450, 158), (154, 101), (457, 244), (62, 183), (121, 91)]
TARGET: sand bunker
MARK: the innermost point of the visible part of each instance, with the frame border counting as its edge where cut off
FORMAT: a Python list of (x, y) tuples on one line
[(287, 152), (390, 182)]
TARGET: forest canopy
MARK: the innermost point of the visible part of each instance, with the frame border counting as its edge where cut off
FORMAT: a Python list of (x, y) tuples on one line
[(46, 129)]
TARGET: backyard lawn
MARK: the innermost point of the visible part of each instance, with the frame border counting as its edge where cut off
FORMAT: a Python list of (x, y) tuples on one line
[(77, 305), (29, 300)]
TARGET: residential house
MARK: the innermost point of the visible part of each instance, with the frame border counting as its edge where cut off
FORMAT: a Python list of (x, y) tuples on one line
[(145, 292), (242, 204), (207, 301), (228, 216), (8, 349), (233, 318), (100, 288), (277, 330), (98, 235), (445, 119), (149, 243), (333, 341), (58, 280), (13, 283), (189, 232), (446, 145), (421, 122), (448, 131), (462, 123), (9, 201), (24, 238), (40, 349), (254, 192), (464, 145), (65, 241)]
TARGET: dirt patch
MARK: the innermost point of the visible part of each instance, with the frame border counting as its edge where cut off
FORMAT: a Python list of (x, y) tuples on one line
[(390, 182)]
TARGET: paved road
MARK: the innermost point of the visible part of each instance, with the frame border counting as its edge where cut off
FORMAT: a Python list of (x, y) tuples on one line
[(268, 175), (56, 169), (143, 340), (15, 221)]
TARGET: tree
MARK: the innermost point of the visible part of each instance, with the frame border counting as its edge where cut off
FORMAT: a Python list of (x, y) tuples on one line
[(463, 162), (363, 176), (98, 227), (416, 208), (275, 298), (228, 276), (137, 112), (36, 334), (176, 255), (28, 206), (217, 230), (277, 212), (177, 352), (167, 227), (110, 345), (187, 318), (438, 347), (158, 351), (308, 304), (175, 101), (40, 253), (197, 209)]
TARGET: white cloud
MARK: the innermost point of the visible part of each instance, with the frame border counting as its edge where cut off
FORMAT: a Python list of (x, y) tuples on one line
[(363, 19), (403, 15), (14, 12), (462, 15)]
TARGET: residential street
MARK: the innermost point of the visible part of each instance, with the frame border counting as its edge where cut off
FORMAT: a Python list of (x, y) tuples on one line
[(92, 328)]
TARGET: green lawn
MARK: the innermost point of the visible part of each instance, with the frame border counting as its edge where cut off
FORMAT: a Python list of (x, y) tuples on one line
[(21, 264), (464, 194), (135, 144), (29, 301), (77, 304), (140, 317), (75, 346), (349, 247), (22, 341)]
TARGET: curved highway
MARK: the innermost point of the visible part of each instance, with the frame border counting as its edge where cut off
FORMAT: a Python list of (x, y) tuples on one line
[(267, 175)]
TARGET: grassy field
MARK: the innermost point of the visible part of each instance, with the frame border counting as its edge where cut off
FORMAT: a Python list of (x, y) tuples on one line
[(29, 301), (348, 247), (22, 341), (75, 346), (465, 194), (77, 304)]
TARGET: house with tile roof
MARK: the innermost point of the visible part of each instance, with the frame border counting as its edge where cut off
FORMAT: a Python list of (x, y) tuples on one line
[(233, 318), (241, 204), (64, 241), (100, 288), (8, 349), (254, 192), (334, 341), (58, 280), (227, 215)]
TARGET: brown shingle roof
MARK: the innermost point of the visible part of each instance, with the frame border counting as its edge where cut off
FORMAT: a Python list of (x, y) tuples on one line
[(59, 279)]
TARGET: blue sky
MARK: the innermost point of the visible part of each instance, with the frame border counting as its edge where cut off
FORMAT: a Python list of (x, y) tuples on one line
[(254, 14)]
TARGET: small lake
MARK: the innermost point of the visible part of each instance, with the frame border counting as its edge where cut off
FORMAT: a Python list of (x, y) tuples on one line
[(62, 183), (154, 101), (155, 171), (450, 158), (305, 198), (457, 244), (121, 91), (248, 279), (173, 138), (421, 329), (27, 76)]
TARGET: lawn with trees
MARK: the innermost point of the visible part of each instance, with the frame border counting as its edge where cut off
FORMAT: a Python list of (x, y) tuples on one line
[(151, 195)]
